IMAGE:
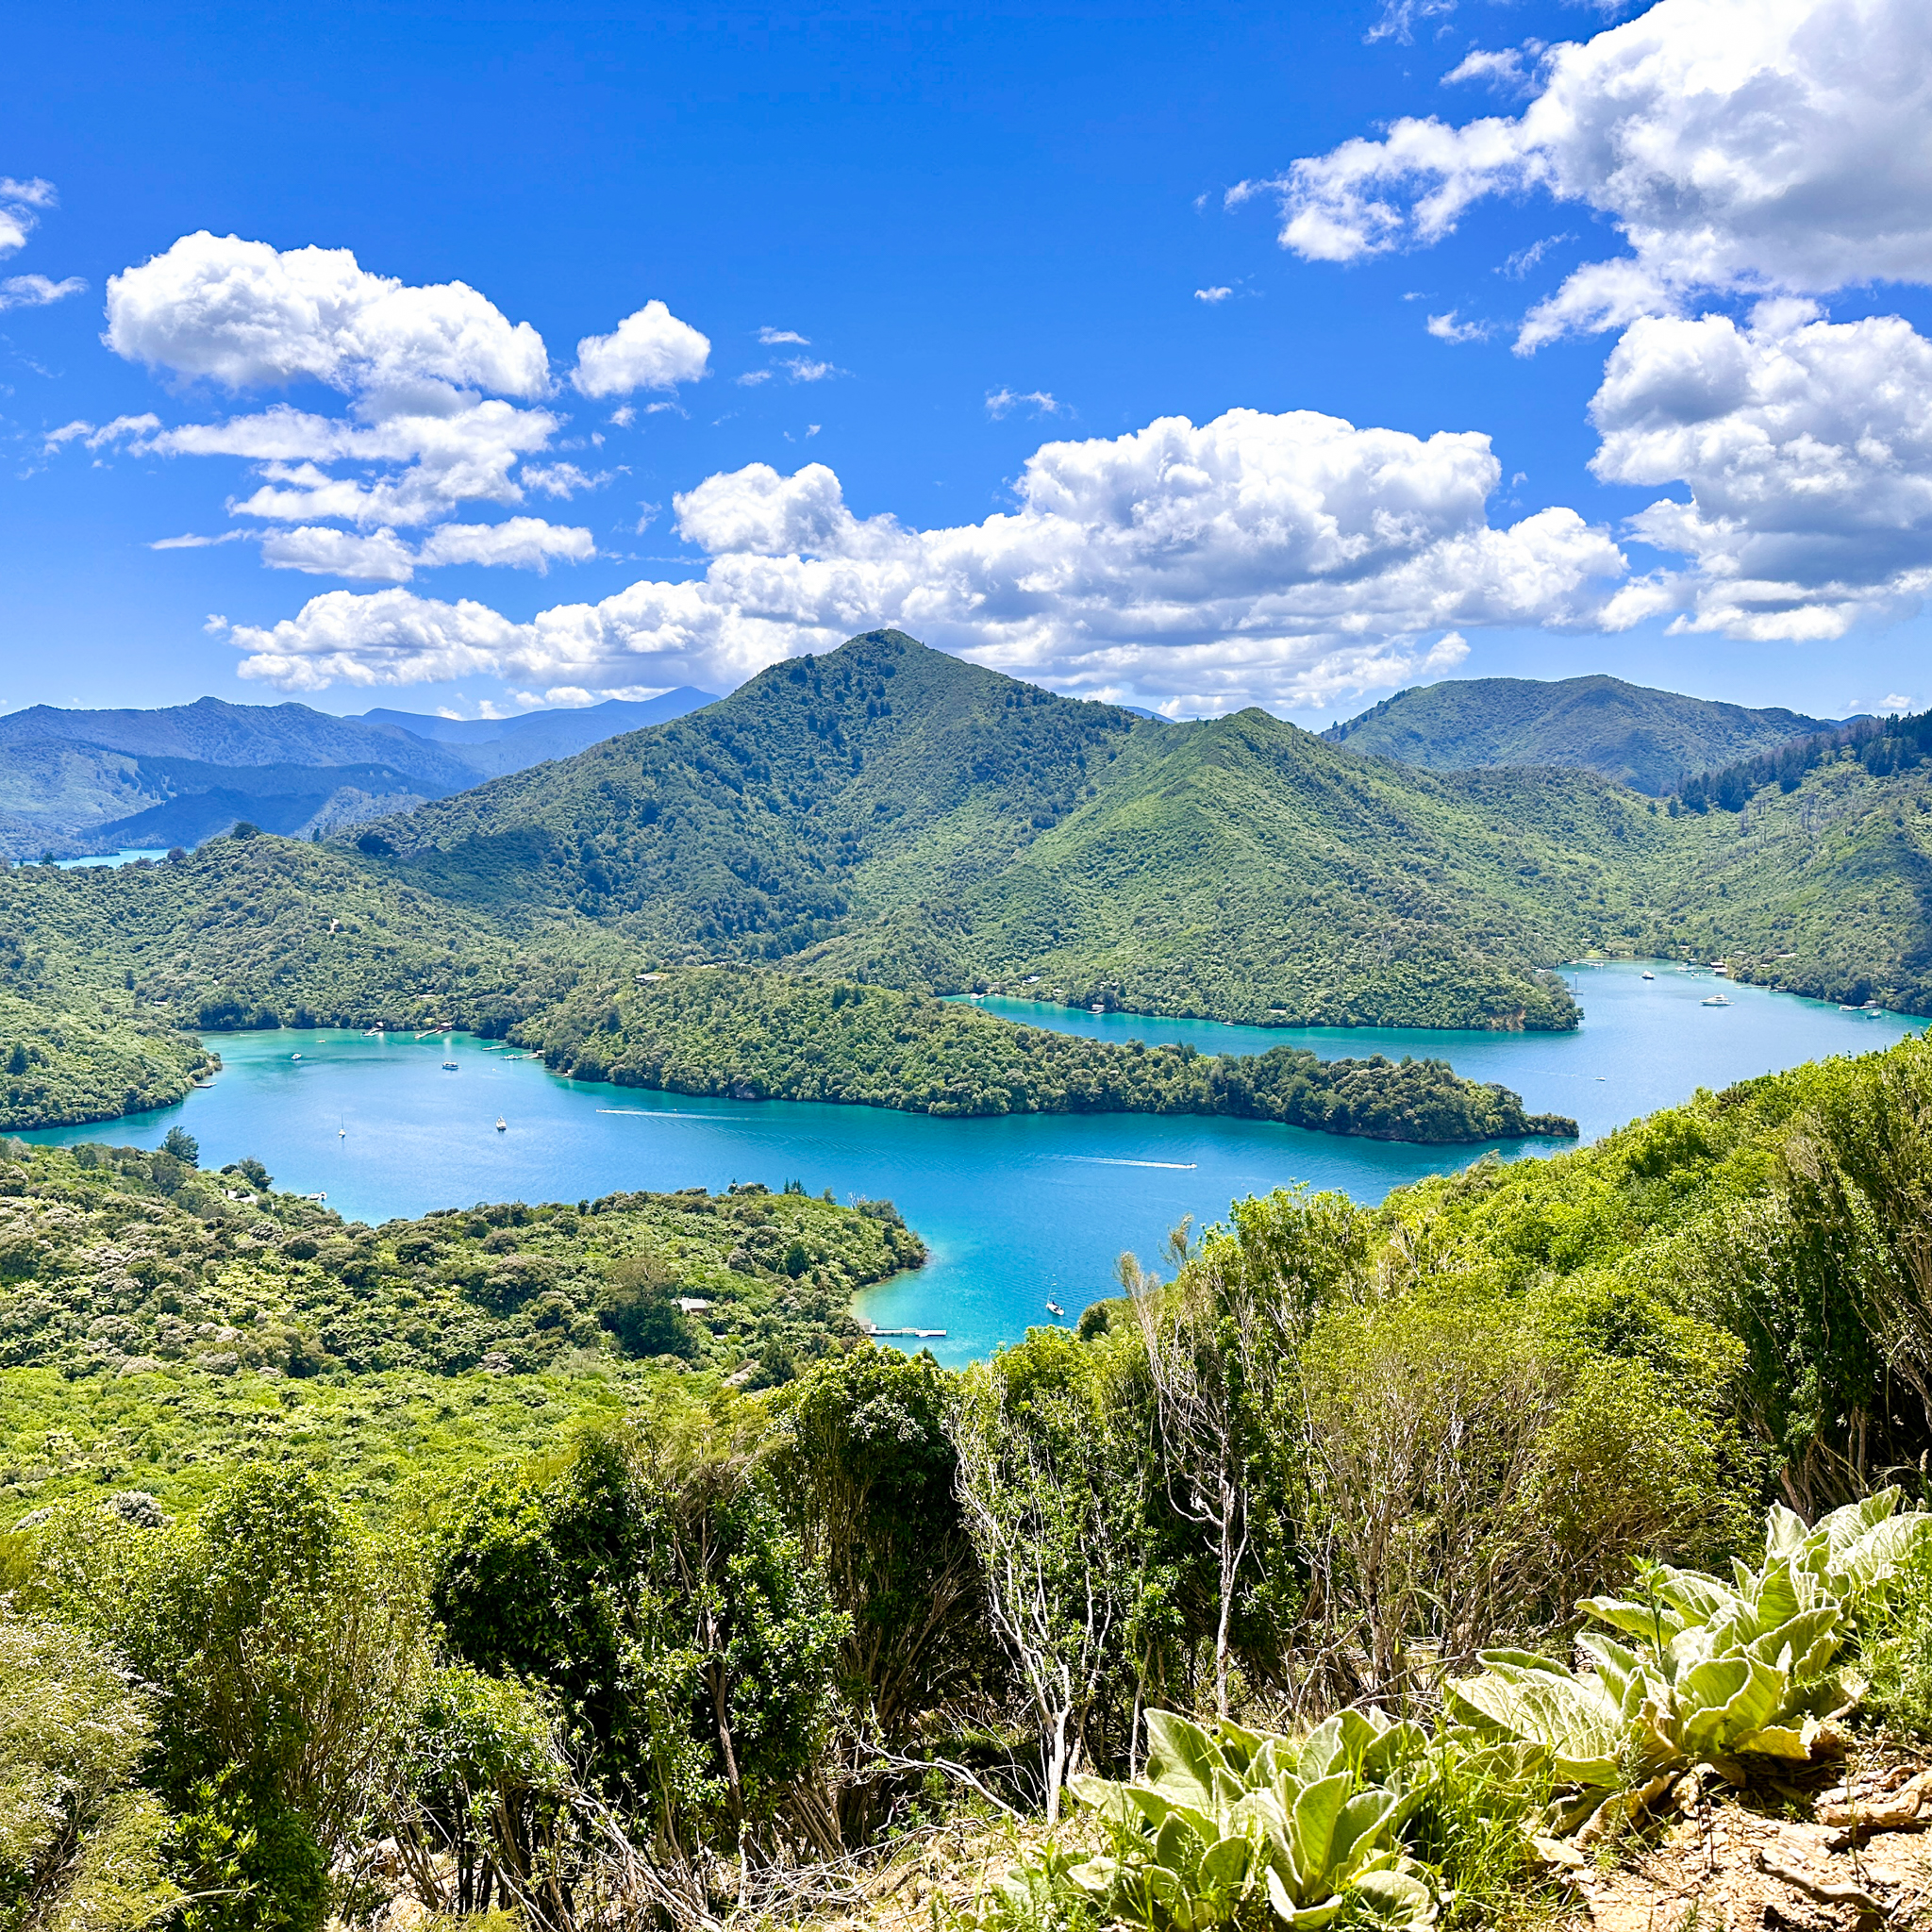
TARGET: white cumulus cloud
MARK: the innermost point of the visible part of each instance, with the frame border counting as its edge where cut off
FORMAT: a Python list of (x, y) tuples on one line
[(250, 316), (1448, 328), (1284, 558), (1756, 145), (445, 402), (651, 349), (21, 205), (322, 552), (1807, 449), (520, 542)]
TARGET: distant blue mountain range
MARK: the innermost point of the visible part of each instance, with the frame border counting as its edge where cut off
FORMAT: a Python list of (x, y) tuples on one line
[(78, 782)]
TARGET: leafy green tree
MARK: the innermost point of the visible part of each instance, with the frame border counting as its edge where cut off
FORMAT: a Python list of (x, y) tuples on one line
[(485, 1814), (1055, 1494), (183, 1146), (869, 1475), (651, 1583), (1825, 1278), (283, 1648)]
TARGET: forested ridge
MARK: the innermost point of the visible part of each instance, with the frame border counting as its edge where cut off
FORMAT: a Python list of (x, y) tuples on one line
[(1652, 741), (707, 1651), (750, 1034), (121, 1262), (892, 814)]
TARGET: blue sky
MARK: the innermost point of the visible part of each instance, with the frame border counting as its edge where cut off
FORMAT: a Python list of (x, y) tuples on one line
[(989, 230)]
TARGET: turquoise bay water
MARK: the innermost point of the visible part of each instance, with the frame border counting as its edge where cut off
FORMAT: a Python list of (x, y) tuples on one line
[(127, 858), (1017, 1213)]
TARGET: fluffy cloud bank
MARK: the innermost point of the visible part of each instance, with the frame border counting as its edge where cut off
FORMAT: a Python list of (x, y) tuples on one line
[(250, 316), (445, 402), (1276, 558), (1740, 145), (1807, 449)]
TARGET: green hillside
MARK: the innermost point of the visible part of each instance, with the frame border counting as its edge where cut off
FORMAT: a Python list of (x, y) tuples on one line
[(217, 1272), (151, 1312), (1648, 740), (106, 971), (754, 1034), (1240, 869), (891, 816), (890, 813), (1826, 889), (759, 824)]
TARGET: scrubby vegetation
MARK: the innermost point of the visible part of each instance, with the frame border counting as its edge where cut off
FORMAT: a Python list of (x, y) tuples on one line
[(758, 1035), (118, 1262), (688, 1645)]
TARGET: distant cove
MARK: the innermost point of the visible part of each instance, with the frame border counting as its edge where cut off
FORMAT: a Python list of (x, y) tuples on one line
[(1017, 1210)]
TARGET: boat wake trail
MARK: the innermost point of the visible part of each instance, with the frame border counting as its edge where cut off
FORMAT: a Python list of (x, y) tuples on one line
[(665, 1113), (1108, 1160)]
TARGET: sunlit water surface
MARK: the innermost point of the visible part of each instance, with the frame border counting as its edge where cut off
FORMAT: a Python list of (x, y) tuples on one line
[(1017, 1211)]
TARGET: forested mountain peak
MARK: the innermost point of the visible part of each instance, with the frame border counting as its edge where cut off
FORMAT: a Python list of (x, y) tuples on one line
[(1647, 738), (824, 782), (892, 813)]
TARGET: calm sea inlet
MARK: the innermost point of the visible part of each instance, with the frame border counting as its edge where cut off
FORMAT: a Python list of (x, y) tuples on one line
[(1017, 1211)]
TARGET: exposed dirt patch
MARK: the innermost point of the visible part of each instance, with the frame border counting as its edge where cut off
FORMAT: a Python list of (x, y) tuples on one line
[(1858, 1854)]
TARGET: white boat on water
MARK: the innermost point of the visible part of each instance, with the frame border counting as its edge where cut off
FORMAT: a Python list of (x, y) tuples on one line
[(1650, 976), (502, 1125), (1717, 999)]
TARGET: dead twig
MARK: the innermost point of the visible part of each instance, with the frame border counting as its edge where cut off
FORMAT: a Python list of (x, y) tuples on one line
[(895, 1761), (1856, 1896)]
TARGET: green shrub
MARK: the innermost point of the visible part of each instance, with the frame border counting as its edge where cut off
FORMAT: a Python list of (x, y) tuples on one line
[(81, 1844), (283, 1649)]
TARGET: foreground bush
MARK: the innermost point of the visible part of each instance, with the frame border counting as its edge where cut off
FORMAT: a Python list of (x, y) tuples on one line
[(81, 1843)]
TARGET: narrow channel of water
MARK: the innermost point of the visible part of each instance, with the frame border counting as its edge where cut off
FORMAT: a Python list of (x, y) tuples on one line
[(1018, 1211)]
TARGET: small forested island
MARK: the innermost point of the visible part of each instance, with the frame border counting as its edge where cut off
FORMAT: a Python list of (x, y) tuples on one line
[(749, 1034)]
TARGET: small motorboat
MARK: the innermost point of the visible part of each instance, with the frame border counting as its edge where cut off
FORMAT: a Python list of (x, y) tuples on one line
[(449, 1066), (1650, 976), (294, 1056), (502, 1125), (1717, 999), (1055, 1309)]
